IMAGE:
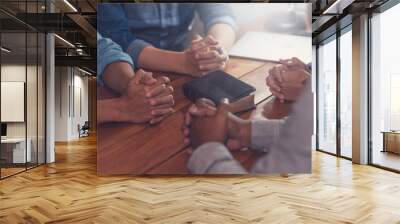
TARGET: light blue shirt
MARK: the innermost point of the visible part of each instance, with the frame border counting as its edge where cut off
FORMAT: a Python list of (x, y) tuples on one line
[(166, 26), (108, 52)]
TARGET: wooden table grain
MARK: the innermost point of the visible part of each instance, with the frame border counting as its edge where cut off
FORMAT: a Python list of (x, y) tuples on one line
[(125, 148)]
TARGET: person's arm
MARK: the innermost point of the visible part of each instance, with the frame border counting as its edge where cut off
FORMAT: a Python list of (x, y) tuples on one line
[(138, 105), (207, 132), (287, 79), (112, 23), (264, 133), (291, 152), (214, 158), (109, 111), (219, 22), (224, 34), (114, 67), (163, 60), (255, 134), (117, 76)]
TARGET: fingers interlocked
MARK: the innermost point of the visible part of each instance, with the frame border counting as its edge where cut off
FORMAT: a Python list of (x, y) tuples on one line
[(207, 55), (285, 81), (160, 98)]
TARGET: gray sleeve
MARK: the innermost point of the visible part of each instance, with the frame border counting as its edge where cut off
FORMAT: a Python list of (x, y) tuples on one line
[(291, 152), (214, 158), (264, 133)]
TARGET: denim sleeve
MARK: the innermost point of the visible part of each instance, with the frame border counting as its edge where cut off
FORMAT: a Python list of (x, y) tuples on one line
[(135, 48), (212, 13), (112, 23), (108, 52)]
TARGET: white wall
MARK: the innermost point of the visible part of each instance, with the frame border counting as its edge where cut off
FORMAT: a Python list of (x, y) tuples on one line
[(61, 103), (12, 101), (33, 127), (70, 83), (12, 73), (81, 104)]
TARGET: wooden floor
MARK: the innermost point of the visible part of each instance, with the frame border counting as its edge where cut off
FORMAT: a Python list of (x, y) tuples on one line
[(10, 171), (69, 191), (386, 159)]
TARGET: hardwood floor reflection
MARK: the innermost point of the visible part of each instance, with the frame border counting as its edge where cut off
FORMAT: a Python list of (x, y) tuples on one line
[(69, 191), (5, 172), (387, 159)]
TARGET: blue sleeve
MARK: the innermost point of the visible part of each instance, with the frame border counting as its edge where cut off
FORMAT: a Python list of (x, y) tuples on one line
[(108, 52), (212, 13), (112, 23)]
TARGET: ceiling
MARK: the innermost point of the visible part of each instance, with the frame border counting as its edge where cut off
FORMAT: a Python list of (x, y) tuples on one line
[(332, 15), (76, 24)]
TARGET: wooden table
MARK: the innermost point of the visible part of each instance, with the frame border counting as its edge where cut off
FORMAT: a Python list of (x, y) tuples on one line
[(125, 148)]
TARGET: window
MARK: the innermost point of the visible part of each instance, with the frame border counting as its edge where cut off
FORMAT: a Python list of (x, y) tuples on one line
[(327, 97), (394, 111), (346, 94), (22, 75), (385, 89)]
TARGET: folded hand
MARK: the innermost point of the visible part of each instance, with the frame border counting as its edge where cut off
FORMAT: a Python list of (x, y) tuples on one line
[(205, 55), (286, 80), (146, 99), (206, 123)]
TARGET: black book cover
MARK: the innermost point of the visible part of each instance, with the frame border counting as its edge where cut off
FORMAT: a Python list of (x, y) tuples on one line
[(216, 86)]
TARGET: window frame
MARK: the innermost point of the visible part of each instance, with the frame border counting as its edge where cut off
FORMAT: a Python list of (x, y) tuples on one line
[(334, 37)]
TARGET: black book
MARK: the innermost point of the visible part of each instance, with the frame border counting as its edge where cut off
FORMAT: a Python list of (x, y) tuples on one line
[(216, 86)]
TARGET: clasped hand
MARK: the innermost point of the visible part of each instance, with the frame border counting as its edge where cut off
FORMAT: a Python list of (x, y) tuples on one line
[(205, 55), (146, 99), (204, 122), (286, 80)]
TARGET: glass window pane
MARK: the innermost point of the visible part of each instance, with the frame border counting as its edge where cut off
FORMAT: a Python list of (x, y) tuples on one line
[(31, 97), (346, 94), (32, 86), (385, 84), (14, 153), (327, 97), (41, 99), (23, 81)]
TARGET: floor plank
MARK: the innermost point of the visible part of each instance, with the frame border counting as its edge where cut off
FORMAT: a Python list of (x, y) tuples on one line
[(69, 191)]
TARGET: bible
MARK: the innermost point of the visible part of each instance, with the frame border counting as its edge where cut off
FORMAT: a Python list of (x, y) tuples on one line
[(218, 85)]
